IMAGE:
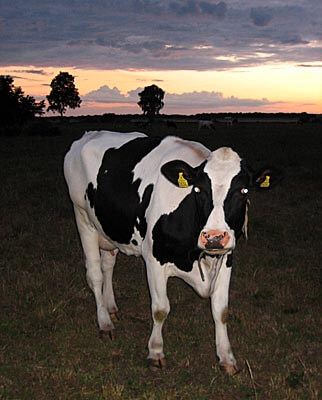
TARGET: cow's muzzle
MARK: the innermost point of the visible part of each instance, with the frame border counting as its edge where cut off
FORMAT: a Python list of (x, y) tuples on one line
[(214, 240)]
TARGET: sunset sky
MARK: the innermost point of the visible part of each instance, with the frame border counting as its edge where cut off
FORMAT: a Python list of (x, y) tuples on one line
[(208, 56)]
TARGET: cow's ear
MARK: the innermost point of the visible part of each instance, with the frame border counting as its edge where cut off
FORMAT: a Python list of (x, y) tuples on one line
[(179, 173), (267, 177)]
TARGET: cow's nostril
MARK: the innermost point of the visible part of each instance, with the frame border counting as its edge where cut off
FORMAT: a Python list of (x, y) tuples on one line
[(219, 238), (204, 237)]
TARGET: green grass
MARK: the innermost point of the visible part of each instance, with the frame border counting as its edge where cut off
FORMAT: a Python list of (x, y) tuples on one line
[(49, 344)]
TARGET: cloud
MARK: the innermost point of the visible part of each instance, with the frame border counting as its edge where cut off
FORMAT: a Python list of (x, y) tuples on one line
[(149, 80), (30, 71), (106, 95), (195, 8), (27, 71), (158, 34), (218, 10), (209, 101), (310, 65), (261, 16), (184, 8), (293, 40), (186, 102)]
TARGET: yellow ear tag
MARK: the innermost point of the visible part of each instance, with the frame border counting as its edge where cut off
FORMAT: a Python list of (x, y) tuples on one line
[(265, 183), (182, 182)]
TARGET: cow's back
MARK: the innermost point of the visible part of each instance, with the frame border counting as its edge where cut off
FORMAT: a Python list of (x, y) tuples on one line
[(83, 160)]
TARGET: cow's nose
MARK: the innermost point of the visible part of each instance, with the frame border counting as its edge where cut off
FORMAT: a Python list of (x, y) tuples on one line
[(214, 239)]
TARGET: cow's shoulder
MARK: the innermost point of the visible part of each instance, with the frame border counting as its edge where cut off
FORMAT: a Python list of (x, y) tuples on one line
[(187, 150)]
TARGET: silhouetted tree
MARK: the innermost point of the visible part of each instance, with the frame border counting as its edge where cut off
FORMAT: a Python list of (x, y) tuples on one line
[(15, 107), (151, 100), (63, 94)]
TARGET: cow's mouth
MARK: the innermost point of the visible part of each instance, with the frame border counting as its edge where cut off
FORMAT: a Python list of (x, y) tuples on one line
[(216, 252)]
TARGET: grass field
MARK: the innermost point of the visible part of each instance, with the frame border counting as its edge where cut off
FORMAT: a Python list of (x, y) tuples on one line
[(49, 344)]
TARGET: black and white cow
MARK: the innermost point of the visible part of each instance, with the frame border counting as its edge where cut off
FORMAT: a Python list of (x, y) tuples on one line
[(174, 202), (205, 124)]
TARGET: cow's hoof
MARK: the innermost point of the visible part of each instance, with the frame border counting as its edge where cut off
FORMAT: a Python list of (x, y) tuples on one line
[(102, 334), (230, 370), (156, 365), (114, 316)]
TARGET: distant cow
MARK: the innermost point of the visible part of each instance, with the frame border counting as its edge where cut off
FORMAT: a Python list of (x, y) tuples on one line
[(174, 202), (230, 121), (206, 124)]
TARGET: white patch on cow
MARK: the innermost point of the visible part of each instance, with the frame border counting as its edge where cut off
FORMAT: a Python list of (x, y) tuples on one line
[(210, 267), (166, 196), (84, 158), (222, 166)]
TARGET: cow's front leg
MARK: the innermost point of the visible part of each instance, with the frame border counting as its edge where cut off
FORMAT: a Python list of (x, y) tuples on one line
[(160, 308), (219, 306)]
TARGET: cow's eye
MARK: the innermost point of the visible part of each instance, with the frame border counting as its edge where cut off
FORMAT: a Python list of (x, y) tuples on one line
[(244, 191), (197, 189)]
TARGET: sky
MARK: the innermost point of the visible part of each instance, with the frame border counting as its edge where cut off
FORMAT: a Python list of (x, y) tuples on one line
[(208, 56)]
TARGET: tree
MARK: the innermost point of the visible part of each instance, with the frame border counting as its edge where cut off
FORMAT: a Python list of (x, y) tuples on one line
[(151, 100), (15, 107), (63, 94), (30, 107)]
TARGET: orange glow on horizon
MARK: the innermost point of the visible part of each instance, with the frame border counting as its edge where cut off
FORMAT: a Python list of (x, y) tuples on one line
[(295, 88)]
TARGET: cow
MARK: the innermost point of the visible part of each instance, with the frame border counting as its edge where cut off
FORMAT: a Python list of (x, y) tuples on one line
[(179, 205), (230, 121), (205, 124)]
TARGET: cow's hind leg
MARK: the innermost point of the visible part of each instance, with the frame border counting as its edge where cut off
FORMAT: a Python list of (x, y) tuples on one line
[(160, 307), (90, 239), (108, 259)]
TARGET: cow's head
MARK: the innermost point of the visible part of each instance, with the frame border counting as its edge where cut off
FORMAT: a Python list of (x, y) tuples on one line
[(220, 186)]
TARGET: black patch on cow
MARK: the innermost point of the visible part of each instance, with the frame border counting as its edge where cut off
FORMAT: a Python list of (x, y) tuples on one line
[(173, 169), (141, 224), (229, 262), (175, 235), (90, 192), (134, 242), (116, 200), (235, 202)]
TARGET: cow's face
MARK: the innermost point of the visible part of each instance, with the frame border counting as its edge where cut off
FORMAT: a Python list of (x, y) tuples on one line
[(229, 188), (220, 186)]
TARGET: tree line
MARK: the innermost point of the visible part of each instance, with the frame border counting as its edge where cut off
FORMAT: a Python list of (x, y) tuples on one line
[(17, 108)]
